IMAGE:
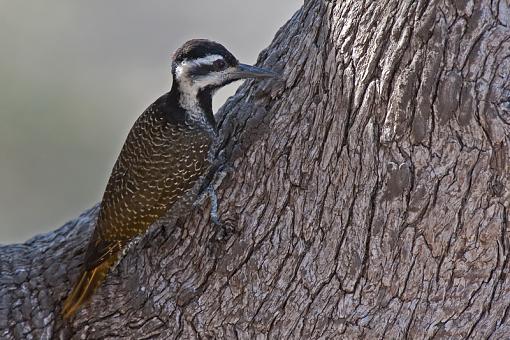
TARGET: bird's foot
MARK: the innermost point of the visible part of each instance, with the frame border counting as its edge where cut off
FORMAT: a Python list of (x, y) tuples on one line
[(224, 230)]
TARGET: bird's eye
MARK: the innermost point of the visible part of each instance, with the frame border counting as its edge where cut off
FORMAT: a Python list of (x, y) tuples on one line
[(219, 64)]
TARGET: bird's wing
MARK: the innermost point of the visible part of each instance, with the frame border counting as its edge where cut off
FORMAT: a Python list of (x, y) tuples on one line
[(159, 162)]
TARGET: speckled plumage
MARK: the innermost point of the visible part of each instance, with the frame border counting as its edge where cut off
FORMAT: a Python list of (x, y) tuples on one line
[(161, 162), (162, 159)]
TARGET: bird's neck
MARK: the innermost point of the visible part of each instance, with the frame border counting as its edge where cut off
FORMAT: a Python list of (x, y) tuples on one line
[(196, 103)]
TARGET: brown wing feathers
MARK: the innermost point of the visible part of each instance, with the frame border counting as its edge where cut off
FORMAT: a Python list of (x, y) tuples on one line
[(159, 162)]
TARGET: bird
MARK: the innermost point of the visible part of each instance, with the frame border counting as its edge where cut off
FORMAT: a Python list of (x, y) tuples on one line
[(163, 162)]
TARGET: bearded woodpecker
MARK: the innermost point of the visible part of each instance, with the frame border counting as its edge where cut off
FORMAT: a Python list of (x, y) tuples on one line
[(165, 157)]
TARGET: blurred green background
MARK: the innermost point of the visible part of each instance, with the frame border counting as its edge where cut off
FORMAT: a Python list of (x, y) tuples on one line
[(74, 76)]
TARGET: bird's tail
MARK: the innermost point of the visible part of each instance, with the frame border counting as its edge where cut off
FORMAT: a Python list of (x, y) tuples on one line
[(87, 284)]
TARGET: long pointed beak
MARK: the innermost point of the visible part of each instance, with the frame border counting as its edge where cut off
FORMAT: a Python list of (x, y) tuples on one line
[(248, 71)]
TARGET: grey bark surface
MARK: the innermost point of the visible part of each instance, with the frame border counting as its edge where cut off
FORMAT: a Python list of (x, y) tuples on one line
[(369, 194)]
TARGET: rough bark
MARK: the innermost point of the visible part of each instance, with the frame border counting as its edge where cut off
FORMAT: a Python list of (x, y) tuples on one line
[(369, 192)]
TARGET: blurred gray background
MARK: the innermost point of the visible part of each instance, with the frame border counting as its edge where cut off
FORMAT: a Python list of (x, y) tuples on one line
[(74, 76)]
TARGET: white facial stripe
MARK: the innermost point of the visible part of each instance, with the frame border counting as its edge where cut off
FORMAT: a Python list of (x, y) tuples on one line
[(213, 78), (183, 67), (207, 60)]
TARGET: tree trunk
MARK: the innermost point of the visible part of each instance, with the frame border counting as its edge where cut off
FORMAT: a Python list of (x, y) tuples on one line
[(369, 193)]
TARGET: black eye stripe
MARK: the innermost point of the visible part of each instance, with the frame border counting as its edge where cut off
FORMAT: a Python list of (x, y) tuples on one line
[(202, 70), (220, 64)]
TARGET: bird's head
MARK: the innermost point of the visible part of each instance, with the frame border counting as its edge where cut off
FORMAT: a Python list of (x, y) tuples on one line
[(204, 65)]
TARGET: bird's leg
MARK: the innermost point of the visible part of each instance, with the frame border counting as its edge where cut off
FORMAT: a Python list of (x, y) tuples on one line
[(214, 205), (218, 172), (224, 230)]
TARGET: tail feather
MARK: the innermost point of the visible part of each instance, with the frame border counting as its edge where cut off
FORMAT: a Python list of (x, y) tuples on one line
[(87, 284)]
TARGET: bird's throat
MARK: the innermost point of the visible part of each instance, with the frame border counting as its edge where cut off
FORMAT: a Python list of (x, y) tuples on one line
[(197, 104)]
